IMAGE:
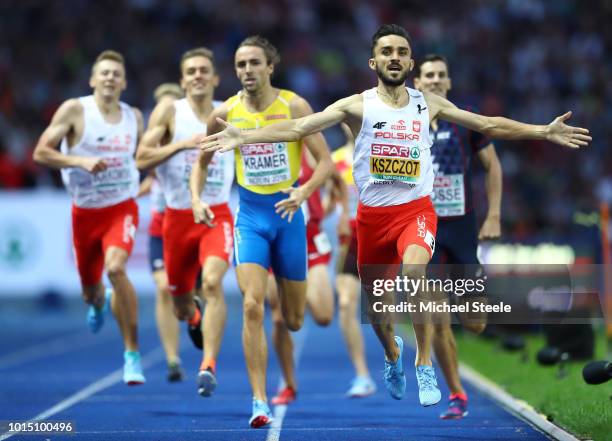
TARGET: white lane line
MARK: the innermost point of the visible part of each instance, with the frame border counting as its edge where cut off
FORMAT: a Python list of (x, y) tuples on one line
[(281, 409), (111, 379)]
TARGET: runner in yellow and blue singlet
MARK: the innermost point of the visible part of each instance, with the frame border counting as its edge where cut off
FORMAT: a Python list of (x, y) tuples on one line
[(263, 170), (270, 229)]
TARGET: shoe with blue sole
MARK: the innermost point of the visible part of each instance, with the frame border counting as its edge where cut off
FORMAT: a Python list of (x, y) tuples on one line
[(95, 316)]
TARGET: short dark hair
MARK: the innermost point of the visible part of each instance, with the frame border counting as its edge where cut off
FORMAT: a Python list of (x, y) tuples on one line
[(197, 52), (389, 29), (429, 58), (271, 53)]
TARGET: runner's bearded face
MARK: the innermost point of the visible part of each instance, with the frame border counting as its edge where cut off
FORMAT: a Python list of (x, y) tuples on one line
[(198, 77), (252, 68), (108, 79), (434, 78), (392, 60)]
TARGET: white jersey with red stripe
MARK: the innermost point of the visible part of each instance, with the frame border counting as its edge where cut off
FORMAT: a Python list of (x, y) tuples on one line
[(392, 162), (116, 143), (174, 173)]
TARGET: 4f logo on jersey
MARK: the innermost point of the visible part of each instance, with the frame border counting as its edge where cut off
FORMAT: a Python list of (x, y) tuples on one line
[(379, 125)]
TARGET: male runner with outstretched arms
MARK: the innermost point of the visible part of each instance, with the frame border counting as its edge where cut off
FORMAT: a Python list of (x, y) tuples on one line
[(453, 150), (97, 137), (396, 221), (269, 230), (168, 144)]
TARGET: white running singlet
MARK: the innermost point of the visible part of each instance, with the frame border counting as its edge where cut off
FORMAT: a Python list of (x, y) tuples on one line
[(116, 143), (175, 172), (392, 161)]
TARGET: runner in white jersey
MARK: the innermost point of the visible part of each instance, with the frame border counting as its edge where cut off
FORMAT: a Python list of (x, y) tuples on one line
[(190, 246), (98, 136), (396, 222), (167, 324)]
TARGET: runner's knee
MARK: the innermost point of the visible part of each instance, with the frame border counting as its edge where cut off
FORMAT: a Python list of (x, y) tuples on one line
[(294, 322), (253, 311), (346, 303), (210, 285), (322, 319), (115, 270)]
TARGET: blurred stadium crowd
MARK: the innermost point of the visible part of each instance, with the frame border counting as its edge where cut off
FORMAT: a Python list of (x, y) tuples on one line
[(528, 59)]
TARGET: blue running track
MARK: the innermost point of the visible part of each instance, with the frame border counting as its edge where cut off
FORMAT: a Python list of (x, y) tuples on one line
[(51, 366)]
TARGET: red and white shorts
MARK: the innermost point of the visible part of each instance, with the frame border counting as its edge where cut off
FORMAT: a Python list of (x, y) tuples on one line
[(187, 245), (384, 233), (94, 230), (319, 246)]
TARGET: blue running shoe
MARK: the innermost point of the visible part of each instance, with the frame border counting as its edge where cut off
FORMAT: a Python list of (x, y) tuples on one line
[(457, 409), (362, 386), (261, 414), (429, 394), (207, 382), (95, 316), (395, 380), (132, 370)]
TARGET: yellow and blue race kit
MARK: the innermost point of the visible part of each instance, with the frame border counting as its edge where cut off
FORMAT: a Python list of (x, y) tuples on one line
[(261, 236)]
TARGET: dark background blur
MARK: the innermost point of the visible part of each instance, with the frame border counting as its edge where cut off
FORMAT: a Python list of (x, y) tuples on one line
[(527, 59)]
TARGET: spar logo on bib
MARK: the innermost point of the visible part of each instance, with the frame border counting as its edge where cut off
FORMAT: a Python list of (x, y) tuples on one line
[(265, 164), (395, 163)]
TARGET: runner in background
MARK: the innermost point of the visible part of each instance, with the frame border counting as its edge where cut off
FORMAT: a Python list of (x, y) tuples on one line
[(453, 152), (167, 324), (319, 292), (347, 274), (190, 247)]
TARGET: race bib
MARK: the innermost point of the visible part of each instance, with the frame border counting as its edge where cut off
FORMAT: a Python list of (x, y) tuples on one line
[(448, 195), (216, 176), (322, 243), (395, 163), (118, 174), (265, 164)]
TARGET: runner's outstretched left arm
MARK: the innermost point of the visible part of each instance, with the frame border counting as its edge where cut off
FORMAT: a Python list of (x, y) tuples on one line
[(498, 127)]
